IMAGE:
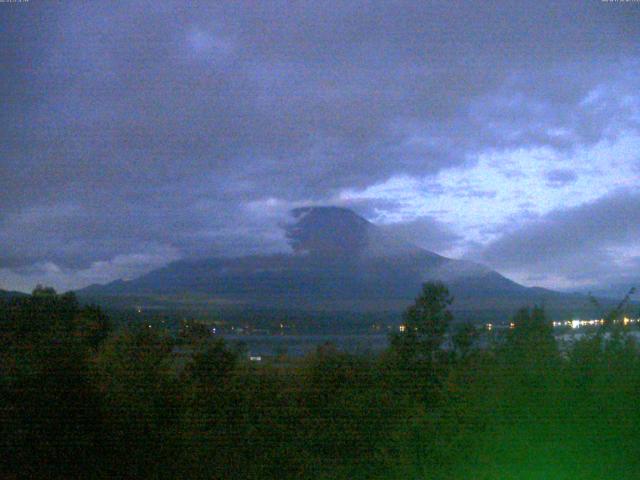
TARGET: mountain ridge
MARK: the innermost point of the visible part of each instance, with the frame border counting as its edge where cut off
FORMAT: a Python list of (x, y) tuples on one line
[(339, 262)]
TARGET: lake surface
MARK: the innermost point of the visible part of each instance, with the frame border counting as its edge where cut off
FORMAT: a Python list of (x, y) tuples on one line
[(300, 345)]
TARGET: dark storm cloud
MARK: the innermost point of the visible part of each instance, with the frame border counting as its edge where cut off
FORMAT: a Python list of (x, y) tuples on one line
[(597, 242), (137, 127)]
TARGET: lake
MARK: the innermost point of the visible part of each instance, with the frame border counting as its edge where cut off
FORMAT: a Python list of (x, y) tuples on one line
[(300, 345)]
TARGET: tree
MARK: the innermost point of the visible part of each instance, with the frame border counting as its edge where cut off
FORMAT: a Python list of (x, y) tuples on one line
[(92, 326), (134, 374), (47, 399), (424, 324), (464, 339), (530, 343), (616, 314), (213, 363), (42, 291)]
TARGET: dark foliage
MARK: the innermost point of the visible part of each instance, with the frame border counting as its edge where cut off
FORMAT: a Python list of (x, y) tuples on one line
[(424, 325), (79, 401), (49, 408)]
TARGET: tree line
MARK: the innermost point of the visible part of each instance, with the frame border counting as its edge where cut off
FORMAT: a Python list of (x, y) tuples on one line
[(80, 399)]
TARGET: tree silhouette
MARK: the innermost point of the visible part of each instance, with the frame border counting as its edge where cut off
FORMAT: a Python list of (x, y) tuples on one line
[(464, 338), (424, 324)]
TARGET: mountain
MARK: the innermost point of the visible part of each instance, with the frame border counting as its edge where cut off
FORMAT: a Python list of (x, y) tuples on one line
[(616, 290), (6, 295), (339, 262)]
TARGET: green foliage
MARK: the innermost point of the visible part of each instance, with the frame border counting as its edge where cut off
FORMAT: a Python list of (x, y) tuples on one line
[(213, 363), (80, 401), (48, 406), (133, 374), (464, 338), (530, 343), (424, 324), (92, 326)]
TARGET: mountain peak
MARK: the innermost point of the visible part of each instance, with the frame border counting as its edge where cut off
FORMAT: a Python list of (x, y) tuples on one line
[(326, 212), (328, 230)]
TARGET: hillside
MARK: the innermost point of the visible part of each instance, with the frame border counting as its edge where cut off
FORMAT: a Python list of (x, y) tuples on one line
[(339, 262)]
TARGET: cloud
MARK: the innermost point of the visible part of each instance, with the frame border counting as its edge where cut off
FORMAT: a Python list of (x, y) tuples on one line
[(425, 232), (594, 243), (133, 127), (560, 177), (49, 273)]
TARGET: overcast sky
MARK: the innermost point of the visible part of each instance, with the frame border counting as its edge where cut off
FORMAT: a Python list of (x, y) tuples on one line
[(137, 133)]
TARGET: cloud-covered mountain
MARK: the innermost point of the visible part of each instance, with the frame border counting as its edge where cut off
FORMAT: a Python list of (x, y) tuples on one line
[(339, 262), (134, 136)]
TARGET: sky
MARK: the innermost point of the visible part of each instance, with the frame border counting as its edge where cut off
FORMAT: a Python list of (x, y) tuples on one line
[(139, 133)]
